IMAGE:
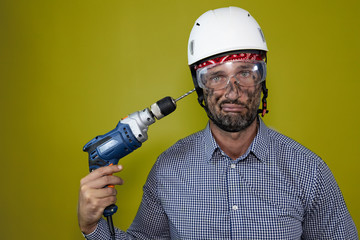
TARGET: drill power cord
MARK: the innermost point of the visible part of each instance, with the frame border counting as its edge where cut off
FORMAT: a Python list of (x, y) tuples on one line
[(111, 227)]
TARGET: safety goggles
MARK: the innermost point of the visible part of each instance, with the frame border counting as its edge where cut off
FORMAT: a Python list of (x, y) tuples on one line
[(247, 73)]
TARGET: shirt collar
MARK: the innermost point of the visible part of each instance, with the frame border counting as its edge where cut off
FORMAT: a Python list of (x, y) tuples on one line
[(259, 147), (209, 142)]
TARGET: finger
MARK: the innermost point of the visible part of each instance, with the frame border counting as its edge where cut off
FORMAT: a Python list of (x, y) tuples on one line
[(97, 173), (105, 181), (95, 206), (101, 193), (93, 199), (104, 202)]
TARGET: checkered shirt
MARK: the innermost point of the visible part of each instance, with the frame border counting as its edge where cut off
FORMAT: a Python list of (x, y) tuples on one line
[(277, 190)]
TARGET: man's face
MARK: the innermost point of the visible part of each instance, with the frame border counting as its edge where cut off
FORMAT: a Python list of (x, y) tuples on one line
[(234, 107)]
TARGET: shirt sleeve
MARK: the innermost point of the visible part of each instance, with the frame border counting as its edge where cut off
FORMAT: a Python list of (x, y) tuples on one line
[(327, 216), (102, 232), (151, 221)]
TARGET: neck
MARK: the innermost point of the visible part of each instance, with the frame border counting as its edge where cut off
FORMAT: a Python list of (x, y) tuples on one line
[(234, 144)]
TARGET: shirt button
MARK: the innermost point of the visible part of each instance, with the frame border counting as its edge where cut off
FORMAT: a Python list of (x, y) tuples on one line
[(233, 165), (235, 207)]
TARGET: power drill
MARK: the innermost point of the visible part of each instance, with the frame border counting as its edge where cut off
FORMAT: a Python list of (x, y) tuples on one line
[(129, 134)]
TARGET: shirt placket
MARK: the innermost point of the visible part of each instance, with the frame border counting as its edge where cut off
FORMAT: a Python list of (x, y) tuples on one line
[(234, 196)]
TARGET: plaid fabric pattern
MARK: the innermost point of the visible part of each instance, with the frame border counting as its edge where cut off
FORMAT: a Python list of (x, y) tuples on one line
[(277, 190)]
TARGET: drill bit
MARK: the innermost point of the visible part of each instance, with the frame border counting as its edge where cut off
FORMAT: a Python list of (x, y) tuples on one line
[(181, 97)]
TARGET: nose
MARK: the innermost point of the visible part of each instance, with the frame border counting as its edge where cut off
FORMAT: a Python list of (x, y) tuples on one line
[(233, 90)]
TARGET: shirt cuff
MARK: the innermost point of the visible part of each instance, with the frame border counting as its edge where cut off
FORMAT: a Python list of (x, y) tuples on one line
[(101, 231)]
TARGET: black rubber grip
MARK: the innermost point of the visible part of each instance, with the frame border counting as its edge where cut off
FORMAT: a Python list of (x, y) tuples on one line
[(166, 105)]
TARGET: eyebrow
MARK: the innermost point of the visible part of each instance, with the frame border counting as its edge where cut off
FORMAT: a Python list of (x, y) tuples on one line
[(216, 73), (248, 66)]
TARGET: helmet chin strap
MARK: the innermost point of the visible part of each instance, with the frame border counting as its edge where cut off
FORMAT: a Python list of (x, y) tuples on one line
[(264, 110), (200, 98)]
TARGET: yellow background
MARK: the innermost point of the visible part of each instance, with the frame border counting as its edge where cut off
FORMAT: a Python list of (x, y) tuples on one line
[(70, 70)]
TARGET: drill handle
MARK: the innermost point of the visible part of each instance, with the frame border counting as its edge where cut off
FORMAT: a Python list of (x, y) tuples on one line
[(111, 209)]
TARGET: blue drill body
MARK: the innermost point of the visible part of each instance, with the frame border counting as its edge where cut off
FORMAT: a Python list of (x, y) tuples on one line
[(109, 148)]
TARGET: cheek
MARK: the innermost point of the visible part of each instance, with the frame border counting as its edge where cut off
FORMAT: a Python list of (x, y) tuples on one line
[(253, 95), (255, 98), (211, 96)]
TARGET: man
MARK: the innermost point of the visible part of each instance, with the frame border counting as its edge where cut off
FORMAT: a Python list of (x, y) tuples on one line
[(236, 179)]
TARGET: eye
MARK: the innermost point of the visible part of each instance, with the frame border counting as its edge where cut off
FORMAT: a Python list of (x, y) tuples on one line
[(217, 78), (244, 74)]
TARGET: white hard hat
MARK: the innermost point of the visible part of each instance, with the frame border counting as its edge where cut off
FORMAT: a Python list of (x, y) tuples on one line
[(224, 30)]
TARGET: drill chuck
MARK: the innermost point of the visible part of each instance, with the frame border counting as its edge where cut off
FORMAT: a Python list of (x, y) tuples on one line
[(167, 105), (163, 107)]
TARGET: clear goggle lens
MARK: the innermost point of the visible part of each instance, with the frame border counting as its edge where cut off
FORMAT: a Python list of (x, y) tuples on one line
[(247, 73)]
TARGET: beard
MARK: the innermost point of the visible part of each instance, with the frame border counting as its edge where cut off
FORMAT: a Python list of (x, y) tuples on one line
[(233, 122)]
